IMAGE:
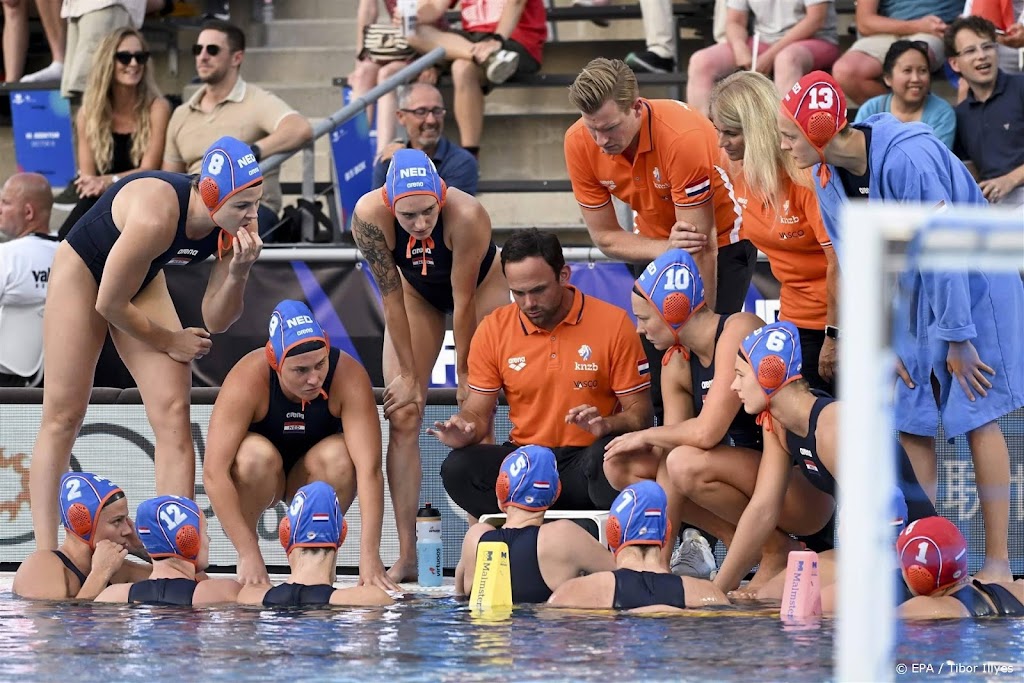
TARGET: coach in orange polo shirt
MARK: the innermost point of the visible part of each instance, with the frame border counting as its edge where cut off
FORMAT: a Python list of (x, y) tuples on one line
[(574, 375), (661, 158)]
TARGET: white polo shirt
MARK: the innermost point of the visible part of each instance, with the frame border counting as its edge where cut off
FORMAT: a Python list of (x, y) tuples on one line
[(25, 269)]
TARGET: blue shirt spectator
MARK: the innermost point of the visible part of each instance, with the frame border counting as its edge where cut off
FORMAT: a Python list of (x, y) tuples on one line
[(937, 113), (421, 112)]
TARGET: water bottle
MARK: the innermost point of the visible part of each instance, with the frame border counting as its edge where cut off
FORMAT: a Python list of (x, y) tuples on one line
[(407, 8), (429, 549)]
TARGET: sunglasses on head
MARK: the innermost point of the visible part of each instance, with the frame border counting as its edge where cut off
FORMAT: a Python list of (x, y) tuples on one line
[(212, 50), (126, 57)]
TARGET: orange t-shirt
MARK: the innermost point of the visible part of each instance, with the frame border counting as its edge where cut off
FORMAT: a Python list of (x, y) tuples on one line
[(676, 164), (793, 237), (593, 356)]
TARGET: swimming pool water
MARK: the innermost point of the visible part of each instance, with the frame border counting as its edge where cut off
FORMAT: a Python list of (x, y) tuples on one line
[(438, 639)]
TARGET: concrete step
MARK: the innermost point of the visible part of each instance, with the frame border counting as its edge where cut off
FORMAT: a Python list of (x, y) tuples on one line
[(299, 64), (310, 32), (315, 9), (532, 209)]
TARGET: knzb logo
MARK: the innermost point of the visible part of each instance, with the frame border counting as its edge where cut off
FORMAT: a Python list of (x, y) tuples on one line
[(585, 352)]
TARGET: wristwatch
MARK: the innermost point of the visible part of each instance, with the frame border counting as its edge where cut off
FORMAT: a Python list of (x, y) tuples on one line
[(832, 332)]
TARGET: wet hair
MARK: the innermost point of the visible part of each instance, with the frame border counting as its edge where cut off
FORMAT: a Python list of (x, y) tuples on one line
[(522, 244), (236, 38), (602, 80), (118, 495), (980, 25), (901, 47), (305, 347)]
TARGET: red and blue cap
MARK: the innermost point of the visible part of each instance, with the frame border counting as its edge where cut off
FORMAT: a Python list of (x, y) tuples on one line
[(82, 496), (776, 358), (674, 287), (291, 324), (638, 517), (170, 526), (933, 555), (528, 479), (411, 172), (314, 519), (229, 166)]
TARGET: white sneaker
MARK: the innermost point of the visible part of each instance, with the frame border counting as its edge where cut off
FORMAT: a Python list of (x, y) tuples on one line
[(501, 66), (693, 557), (54, 72)]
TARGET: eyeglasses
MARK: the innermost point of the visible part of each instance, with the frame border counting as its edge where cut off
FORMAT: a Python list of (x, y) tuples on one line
[(126, 57), (421, 112), (212, 50), (975, 49)]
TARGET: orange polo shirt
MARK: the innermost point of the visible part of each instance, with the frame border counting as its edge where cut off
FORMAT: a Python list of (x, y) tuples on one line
[(793, 238), (676, 165), (592, 357)]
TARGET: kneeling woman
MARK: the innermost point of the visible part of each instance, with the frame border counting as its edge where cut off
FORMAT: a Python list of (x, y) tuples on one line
[(108, 275)]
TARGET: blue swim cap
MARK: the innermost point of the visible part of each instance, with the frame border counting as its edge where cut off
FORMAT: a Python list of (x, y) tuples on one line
[(170, 526), (638, 517), (314, 519), (774, 353), (528, 479), (412, 172), (82, 496), (291, 324), (674, 287), (228, 168)]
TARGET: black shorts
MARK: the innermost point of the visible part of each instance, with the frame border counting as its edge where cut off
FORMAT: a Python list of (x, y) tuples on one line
[(527, 64), (810, 347)]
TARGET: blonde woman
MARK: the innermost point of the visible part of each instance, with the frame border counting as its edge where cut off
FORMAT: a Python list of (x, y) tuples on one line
[(122, 123), (780, 216)]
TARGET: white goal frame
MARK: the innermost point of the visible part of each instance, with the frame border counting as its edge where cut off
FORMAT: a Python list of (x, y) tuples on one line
[(875, 240)]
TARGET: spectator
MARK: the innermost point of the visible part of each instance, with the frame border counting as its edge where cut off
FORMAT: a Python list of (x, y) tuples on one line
[(906, 73), (89, 22), (574, 375), (795, 36), (497, 40), (122, 124), (989, 135), (1005, 16), (421, 112), (24, 272), (781, 218), (227, 105), (659, 55), (15, 40), (880, 23), (372, 69)]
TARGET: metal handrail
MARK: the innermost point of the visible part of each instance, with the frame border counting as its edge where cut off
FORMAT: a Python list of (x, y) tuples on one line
[(349, 111)]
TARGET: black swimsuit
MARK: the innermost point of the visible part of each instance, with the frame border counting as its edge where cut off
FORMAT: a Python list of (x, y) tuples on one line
[(95, 234), (163, 592), (642, 589), (298, 595), (528, 584), (71, 566), (1004, 603)]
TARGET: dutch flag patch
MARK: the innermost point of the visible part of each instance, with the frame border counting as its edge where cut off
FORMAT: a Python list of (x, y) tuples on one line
[(699, 187), (643, 367)]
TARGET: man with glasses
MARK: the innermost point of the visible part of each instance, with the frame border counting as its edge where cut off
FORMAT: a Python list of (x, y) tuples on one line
[(990, 121), (227, 105), (421, 112)]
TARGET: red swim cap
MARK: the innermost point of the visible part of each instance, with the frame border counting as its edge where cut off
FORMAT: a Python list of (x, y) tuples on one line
[(818, 105)]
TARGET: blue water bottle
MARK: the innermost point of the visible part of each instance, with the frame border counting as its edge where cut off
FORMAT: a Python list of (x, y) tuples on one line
[(429, 549)]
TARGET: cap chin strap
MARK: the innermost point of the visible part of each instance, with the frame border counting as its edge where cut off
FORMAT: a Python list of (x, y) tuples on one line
[(224, 243), (764, 418), (425, 244)]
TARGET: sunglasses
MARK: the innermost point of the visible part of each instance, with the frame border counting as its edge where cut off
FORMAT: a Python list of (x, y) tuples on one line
[(126, 57), (212, 50)]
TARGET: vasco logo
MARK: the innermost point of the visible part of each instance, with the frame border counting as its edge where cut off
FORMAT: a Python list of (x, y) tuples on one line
[(791, 235), (585, 384), (517, 363), (585, 352)]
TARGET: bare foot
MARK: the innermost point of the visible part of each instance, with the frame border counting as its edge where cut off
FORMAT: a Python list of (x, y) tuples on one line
[(403, 571), (772, 564), (995, 570)]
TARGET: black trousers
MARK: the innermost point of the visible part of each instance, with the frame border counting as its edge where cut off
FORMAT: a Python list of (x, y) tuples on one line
[(736, 264), (810, 347), (469, 475)]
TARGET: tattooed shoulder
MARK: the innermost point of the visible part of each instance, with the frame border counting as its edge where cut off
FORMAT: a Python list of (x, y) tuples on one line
[(371, 241)]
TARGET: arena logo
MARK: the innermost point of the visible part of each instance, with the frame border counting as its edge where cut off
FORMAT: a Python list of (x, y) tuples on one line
[(517, 363)]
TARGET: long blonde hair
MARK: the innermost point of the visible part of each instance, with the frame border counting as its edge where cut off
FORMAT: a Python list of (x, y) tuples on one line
[(98, 102), (747, 101)]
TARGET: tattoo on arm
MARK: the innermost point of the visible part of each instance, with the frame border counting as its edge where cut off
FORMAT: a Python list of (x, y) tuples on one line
[(371, 242)]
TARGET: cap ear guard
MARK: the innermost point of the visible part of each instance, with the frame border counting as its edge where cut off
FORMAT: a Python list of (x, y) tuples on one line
[(188, 541), (284, 532), (677, 308), (210, 192), (821, 128), (771, 372), (920, 580), (344, 531), (80, 520), (613, 530)]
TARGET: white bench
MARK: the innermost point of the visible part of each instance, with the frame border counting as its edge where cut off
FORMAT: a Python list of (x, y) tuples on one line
[(591, 520)]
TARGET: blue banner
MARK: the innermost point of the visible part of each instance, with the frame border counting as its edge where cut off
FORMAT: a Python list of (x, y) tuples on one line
[(353, 146), (42, 135)]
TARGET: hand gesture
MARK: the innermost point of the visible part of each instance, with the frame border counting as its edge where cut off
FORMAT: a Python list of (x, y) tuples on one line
[(931, 24), (108, 557), (90, 185), (251, 569), (1014, 37), (403, 390), (190, 344), (372, 573), (246, 249), (484, 49), (626, 444), (686, 236), (827, 360), (901, 372), (996, 189), (389, 150), (455, 432), (588, 418), (963, 363)]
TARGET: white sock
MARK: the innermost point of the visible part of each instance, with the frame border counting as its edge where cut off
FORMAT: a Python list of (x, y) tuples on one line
[(50, 73)]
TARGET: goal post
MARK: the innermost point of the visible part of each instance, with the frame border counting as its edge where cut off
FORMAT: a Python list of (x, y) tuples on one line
[(878, 244)]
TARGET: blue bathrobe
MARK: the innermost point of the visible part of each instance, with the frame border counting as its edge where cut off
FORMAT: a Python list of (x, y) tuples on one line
[(907, 163)]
